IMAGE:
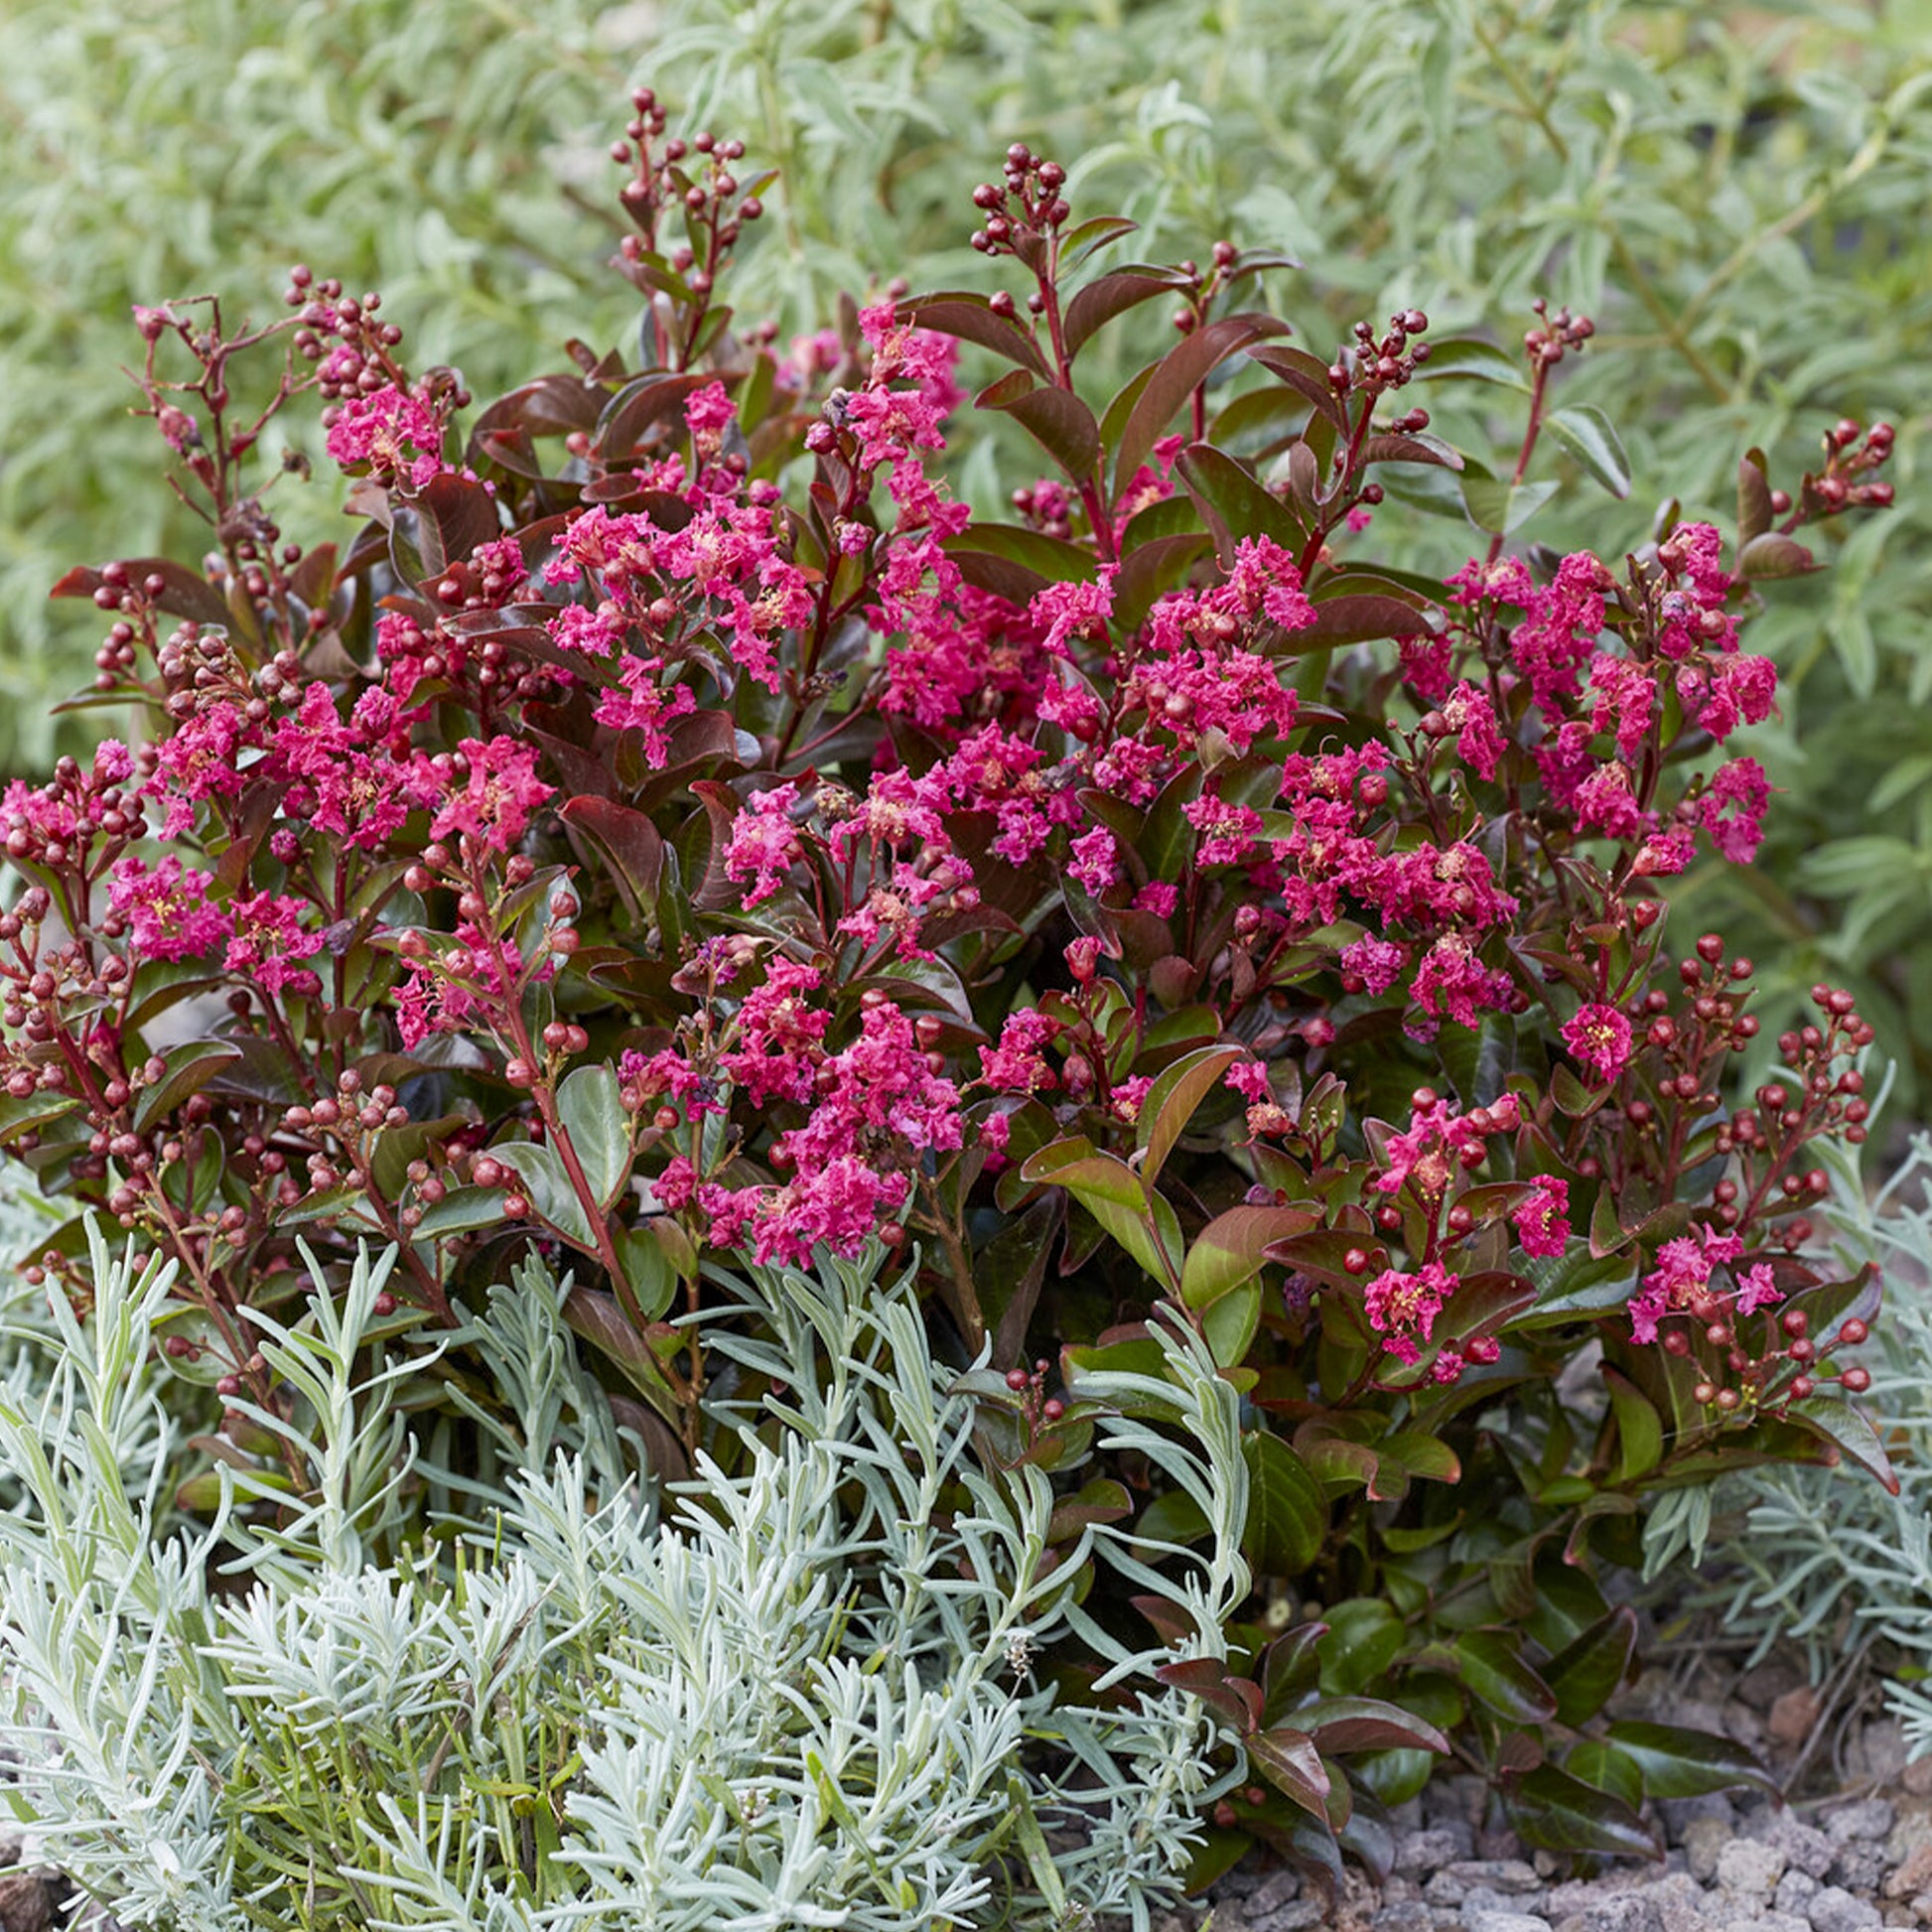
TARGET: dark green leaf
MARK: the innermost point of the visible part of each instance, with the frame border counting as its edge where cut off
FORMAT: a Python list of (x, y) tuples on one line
[(1229, 1325), (1230, 497), (1607, 1768), (1170, 1102), (1680, 1764), (1639, 1428), (593, 1115), (1218, 1852), (1231, 1249), (1584, 1673), (547, 1188), (1560, 1813), (1287, 1517), (190, 1069), (1490, 1663), (1363, 1639)]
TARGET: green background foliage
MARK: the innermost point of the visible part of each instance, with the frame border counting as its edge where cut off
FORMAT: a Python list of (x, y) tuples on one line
[(1736, 199)]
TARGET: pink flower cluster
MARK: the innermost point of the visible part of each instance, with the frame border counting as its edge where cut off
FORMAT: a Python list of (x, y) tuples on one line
[(1680, 1282)]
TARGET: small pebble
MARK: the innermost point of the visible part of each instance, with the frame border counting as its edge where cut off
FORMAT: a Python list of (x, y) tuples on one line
[(1750, 1868), (1836, 1911)]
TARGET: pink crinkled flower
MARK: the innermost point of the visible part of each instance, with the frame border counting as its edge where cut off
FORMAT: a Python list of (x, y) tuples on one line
[(168, 911), (1543, 1220), (1506, 581), (1682, 1276), (381, 429), (1665, 852), (1452, 983), (709, 409), (1266, 575), (1757, 1288), (1402, 1307), (1479, 740), (1073, 609), (1559, 633), (114, 762), (1249, 1078), (1096, 862), (270, 942), (644, 706), (763, 844), (588, 634), (1128, 1097), (498, 793), (1228, 831), (1017, 1064), (1600, 1036), (1427, 1155), (1606, 803), (1626, 701), (1741, 690), (1377, 963), (779, 1036), (1732, 808), (1158, 898)]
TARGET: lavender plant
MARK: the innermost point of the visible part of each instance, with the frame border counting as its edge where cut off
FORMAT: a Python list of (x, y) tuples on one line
[(806, 1696)]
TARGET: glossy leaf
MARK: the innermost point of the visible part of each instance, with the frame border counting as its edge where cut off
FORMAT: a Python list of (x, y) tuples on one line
[(1058, 421), (593, 1114), (1677, 1762), (1229, 1325), (1491, 1664), (1586, 1672), (1496, 507), (546, 1185), (1466, 356), (1289, 1760), (1287, 1517), (1172, 1101), (1770, 555), (970, 316), (1175, 378), (1364, 1637), (1232, 1247), (1112, 294), (190, 1069), (1340, 1724), (1233, 501), (1560, 1813), (1840, 1425), (1359, 618)]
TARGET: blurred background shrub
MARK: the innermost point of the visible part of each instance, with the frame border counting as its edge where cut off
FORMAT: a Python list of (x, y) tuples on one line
[(1736, 196)]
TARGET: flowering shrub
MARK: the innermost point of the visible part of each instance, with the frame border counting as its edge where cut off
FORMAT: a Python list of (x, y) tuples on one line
[(708, 840)]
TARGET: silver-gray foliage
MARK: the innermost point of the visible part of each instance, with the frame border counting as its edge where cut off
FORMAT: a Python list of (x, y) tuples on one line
[(1825, 1562), (800, 1696)]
